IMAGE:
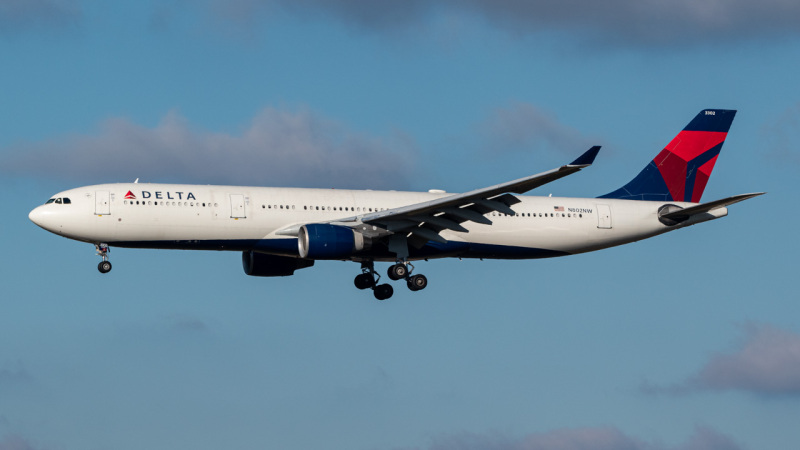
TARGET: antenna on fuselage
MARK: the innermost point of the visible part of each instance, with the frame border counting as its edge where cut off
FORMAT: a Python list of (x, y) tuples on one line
[(136, 181)]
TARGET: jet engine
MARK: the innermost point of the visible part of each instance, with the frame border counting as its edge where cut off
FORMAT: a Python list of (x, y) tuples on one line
[(325, 241), (263, 265)]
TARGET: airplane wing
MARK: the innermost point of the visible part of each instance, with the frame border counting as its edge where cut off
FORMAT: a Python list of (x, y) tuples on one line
[(682, 214), (424, 221)]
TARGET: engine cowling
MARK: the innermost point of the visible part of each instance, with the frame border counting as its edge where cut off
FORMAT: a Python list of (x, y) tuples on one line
[(263, 265), (325, 241)]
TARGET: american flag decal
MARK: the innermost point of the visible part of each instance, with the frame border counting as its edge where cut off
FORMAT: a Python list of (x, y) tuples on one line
[(558, 208)]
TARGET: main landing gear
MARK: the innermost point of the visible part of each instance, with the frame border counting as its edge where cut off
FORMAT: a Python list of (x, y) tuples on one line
[(105, 264), (369, 279)]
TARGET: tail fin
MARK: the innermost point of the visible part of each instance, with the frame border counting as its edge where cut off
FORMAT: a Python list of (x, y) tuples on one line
[(680, 172)]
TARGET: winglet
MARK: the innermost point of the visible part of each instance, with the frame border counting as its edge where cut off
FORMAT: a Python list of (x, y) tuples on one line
[(587, 158)]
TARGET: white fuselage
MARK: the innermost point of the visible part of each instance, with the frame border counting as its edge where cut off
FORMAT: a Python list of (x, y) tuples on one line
[(259, 218)]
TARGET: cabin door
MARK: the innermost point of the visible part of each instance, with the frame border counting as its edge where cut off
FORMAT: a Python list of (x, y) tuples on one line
[(237, 206), (102, 205), (603, 216)]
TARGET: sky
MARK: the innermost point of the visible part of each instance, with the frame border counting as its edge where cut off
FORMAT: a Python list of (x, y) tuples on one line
[(687, 341)]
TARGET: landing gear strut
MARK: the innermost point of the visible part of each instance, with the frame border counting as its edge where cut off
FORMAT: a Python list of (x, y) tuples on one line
[(369, 279), (105, 264)]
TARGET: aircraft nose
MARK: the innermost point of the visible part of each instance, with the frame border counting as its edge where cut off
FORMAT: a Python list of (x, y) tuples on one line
[(42, 218), (36, 215)]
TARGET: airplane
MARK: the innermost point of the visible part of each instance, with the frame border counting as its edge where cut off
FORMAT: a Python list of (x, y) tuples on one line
[(281, 230)]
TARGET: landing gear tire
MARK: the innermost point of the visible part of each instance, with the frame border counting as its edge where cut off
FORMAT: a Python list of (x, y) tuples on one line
[(397, 271), (364, 281), (383, 291), (417, 282), (104, 266)]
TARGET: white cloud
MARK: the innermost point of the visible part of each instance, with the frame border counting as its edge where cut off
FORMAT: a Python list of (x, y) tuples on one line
[(14, 442), (626, 22), (522, 127), (16, 15), (14, 377), (277, 148), (589, 438), (782, 134), (766, 362)]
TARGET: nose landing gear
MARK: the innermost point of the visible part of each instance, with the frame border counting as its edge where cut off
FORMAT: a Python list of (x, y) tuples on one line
[(105, 264)]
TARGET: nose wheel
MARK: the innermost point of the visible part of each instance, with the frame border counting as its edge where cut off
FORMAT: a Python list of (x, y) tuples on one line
[(105, 264)]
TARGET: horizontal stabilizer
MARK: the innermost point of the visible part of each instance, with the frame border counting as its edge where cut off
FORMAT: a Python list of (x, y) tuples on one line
[(683, 214)]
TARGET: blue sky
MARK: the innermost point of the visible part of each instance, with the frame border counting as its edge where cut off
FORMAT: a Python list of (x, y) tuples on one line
[(687, 341)]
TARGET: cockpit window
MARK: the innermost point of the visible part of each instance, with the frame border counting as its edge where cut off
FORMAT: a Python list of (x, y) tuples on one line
[(59, 201)]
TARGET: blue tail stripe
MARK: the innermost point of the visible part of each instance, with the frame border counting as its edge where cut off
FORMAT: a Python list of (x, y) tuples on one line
[(712, 120), (693, 166), (648, 185)]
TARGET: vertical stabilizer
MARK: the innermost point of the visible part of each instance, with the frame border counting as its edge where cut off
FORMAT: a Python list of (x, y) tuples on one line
[(681, 171)]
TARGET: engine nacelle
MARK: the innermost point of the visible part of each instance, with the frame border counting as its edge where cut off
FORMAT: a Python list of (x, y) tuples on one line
[(324, 241), (263, 265)]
